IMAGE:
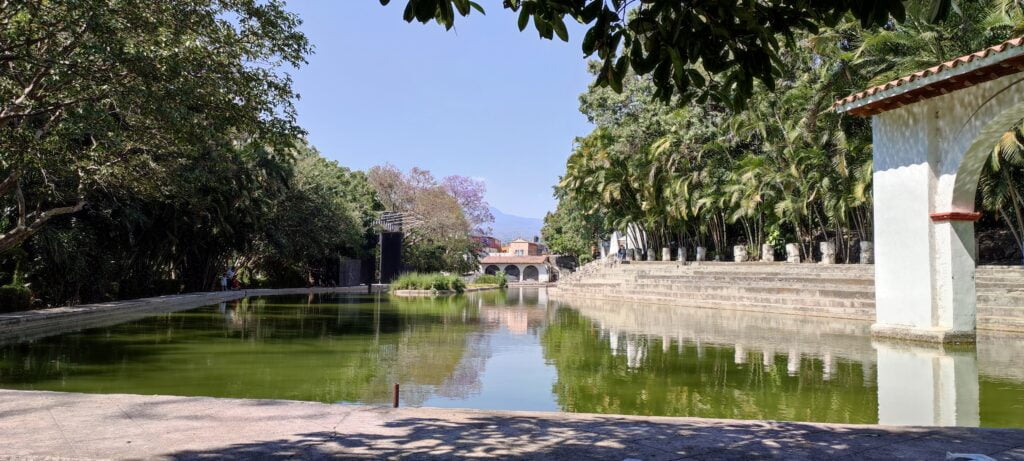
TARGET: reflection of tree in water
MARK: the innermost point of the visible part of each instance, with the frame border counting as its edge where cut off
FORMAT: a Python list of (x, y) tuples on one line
[(464, 380), (601, 371), (336, 349)]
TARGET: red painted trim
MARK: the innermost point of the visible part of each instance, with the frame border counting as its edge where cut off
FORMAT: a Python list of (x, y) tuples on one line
[(956, 216)]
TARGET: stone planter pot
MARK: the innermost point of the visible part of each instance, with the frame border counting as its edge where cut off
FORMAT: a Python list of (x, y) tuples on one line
[(828, 252), (739, 253), (792, 253), (702, 253), (666, 254), (867, 252), (681, 254), (767, 253), (650, 254)]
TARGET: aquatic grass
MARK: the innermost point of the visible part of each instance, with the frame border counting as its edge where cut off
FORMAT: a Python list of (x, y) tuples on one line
[(498, 279), (428, 281)]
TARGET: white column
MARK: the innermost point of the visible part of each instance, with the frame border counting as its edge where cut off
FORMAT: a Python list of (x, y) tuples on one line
[(924, 274)]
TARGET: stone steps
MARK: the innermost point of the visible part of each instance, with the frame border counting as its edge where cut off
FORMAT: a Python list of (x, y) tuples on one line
[(736, 296), (745, 280), (1016, 311), (999, 323), (841, 291), (815, 271), (1002, 299), (861, 313), (802, 291)]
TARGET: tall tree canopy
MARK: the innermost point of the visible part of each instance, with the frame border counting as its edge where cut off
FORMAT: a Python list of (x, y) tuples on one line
[(99, 94), (701, 48), (784, 168)]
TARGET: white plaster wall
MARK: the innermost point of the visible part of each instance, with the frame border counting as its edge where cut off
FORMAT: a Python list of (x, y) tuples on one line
[(901, 188), (953, 278), (928, 157)]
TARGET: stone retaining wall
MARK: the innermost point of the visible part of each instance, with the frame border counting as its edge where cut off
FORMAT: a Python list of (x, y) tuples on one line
[(845, 291)]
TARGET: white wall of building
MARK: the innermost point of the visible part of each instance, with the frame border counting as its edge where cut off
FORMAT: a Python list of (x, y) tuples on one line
[(927, 158)]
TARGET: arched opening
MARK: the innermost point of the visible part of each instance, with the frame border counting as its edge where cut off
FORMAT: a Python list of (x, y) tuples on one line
[(492, 270), (999, 140), (531, 274), (512, 272)]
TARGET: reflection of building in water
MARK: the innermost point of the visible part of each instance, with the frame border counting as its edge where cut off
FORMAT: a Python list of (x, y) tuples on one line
[(519, 321), (915, 385), (927, 386), (514, 320)]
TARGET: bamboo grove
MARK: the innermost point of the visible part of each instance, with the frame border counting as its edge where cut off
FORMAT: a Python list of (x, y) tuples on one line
[(782, 168)]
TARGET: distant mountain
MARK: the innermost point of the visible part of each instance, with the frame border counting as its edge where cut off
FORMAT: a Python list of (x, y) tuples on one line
[(510, 227)]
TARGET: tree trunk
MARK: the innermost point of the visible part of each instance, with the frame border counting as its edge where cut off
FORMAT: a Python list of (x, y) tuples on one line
[(24, 229)]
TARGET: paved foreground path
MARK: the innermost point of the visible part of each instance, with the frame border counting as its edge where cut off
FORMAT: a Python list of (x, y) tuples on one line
[(52, 424)]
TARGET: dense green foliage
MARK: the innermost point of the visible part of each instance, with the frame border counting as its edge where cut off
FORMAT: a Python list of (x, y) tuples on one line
[(101, 98), (572, 230), (499, 279), (14, 298), (783, 169), (428, 281), (277, 219), (675, 42), (147, 146)]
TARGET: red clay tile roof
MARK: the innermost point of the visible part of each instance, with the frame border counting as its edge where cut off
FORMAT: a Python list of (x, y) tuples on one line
[(941, 85), (514, 260)]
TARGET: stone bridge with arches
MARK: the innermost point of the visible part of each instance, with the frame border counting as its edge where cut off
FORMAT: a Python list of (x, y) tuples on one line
[(518, 268)]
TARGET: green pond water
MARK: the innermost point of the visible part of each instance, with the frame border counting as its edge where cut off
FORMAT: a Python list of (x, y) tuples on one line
[(520, 350)]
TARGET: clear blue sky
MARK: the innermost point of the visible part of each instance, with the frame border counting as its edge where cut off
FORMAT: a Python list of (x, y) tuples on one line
[(482, 100)]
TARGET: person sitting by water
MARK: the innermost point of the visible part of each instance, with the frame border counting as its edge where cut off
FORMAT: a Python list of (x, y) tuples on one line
[(224, 283)]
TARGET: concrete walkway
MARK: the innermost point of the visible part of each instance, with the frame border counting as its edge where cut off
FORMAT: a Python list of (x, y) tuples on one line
[(50, 425), (28, 325)]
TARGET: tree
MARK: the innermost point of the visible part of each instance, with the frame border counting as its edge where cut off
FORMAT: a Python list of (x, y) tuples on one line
[(436, 227), (570, 230), (471, 195), (116, 95), (324, 212), (696, 48), (784, 168)]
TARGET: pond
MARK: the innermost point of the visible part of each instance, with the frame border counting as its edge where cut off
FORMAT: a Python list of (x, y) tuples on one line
[(520, 350)]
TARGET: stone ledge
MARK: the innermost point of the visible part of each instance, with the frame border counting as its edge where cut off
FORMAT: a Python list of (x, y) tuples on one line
[(923, 335)]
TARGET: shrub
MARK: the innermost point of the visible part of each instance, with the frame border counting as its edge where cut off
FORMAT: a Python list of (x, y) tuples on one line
[(430, 281), (14, 298), (498, 279)]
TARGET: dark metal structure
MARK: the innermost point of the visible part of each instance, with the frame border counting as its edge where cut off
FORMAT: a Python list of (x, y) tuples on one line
[(390, 229)]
